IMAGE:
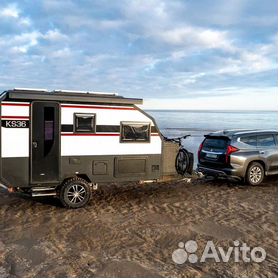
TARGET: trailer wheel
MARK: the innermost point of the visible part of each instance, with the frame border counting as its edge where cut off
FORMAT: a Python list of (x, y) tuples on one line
[(75, 193)]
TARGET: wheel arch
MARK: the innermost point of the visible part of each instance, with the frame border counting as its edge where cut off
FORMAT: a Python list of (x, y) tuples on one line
[(258, 161), (81, 176), (84, 177), (247, 164)]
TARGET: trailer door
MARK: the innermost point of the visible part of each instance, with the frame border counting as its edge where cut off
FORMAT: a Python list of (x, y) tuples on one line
[(45, 142)]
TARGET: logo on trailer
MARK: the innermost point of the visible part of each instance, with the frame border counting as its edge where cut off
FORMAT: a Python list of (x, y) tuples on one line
[(15, 123)]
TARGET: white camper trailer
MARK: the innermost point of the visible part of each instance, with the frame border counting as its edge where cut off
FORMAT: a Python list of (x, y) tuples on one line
[(63, 142)]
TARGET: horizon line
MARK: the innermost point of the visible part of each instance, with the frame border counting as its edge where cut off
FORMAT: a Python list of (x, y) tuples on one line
[(211, 110)]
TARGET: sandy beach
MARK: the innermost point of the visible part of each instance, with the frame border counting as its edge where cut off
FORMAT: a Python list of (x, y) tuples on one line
[(131, 230)]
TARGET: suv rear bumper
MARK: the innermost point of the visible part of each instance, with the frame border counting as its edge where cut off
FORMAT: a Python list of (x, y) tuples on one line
[(225, 172)]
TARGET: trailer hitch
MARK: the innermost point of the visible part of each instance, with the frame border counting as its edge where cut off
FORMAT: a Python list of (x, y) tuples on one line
[(9, 189)]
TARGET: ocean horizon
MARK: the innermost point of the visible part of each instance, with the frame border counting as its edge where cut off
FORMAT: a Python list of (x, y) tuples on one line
[(197, 123), (214, 119)]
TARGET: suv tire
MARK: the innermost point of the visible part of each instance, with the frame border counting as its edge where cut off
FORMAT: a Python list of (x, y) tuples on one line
[(255, 173), (75, 193)]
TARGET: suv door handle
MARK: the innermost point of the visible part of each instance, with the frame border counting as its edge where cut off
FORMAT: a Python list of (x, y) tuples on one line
[(261, 152)]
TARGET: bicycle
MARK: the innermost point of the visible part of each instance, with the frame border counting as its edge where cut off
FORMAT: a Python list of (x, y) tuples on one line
[(184, 159)]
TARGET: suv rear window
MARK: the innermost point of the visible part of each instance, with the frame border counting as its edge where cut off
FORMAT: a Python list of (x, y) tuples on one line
[(266, 141), (215, 143)]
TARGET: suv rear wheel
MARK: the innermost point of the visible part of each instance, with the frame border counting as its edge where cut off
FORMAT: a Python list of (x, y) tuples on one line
[(255, 173)]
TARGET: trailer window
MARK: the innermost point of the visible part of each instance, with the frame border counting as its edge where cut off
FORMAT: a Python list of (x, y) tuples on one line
[(49, 116), (135, 132), (84, 123)]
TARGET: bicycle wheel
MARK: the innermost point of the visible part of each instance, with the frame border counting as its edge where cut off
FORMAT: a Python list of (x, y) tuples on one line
[(182, 161)]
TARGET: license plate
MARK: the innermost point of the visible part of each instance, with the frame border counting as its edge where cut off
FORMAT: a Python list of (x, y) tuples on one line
[(211, 155)]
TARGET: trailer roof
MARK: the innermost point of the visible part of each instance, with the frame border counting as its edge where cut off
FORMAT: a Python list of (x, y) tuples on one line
[(69, 96)]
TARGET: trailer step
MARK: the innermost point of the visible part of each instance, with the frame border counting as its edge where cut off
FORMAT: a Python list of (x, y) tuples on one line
[(36, 189), (43, 191), (43, 194)]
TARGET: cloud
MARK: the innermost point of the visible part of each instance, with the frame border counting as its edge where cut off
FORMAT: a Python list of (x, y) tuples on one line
[(151, 49), (260, 59), (25, 21), (10, 11), (110, 24), (23, 42), (54, 35), (61, 53), (76, 21), (196, 38)]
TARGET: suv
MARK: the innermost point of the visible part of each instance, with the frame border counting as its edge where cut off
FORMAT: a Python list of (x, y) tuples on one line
[(245, 154)]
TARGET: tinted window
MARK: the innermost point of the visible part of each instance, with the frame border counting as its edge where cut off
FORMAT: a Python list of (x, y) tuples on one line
[(84, 123), (249, 140), (135, 132), (49, 114), (215, 143), (266, 141)]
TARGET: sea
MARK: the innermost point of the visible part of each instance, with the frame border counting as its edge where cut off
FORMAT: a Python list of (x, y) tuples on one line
[(197, 123)]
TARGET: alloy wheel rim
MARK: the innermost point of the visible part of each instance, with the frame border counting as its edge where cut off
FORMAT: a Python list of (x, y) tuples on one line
[(255, 174), (76, 193)]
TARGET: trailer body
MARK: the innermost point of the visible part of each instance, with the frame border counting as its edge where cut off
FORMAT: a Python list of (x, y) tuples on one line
[(47, 137)]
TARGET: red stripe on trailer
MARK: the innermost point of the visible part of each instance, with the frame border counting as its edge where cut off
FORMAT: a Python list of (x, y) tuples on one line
[(97, 134), (90, 134), (15, 117), (74, 106), (15, 104), (98, 107)]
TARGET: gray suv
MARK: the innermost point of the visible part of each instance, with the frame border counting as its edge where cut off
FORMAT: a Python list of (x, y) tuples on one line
[(245, 154)]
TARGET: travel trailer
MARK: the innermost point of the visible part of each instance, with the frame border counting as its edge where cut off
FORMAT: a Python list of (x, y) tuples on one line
[(63, 143)]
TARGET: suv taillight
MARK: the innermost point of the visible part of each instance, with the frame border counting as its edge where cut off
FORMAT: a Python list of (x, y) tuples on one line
[(199, 150), (230, 149)]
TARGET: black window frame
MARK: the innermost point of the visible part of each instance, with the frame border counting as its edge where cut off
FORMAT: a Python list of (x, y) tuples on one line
[(134, 140), (75, 128), (276, 138)]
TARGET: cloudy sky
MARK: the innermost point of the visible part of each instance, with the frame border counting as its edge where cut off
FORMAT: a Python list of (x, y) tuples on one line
[(183, 54)]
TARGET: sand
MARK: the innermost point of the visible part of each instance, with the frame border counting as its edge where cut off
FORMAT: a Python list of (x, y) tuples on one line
[(131, 230)]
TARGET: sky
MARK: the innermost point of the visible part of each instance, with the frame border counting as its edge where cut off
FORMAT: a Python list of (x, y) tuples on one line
[(175, 54)]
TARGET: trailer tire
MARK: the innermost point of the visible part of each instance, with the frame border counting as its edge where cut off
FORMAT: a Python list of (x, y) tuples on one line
[(75, 193)]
